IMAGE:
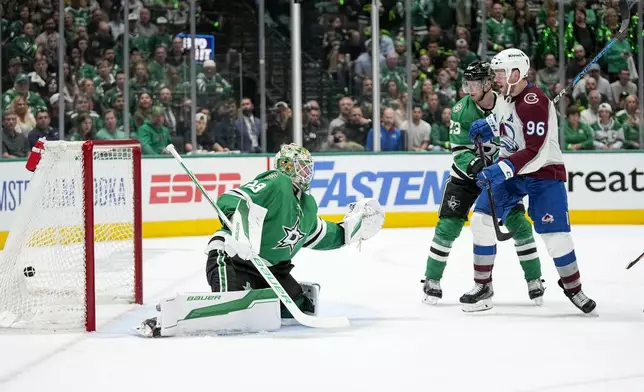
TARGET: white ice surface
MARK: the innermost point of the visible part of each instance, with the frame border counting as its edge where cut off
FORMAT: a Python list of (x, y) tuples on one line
[(395, 343)]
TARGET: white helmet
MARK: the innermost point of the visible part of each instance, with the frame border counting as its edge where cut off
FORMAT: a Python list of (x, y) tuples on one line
[(509, 60)]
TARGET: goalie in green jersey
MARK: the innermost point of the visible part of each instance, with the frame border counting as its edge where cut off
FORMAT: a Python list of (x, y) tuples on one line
[(461, 192), (282, 218)]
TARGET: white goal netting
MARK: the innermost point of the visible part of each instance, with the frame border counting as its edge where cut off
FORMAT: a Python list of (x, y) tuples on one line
[(43, 270)]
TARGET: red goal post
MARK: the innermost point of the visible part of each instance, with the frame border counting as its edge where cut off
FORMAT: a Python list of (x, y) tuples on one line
[(76, 240)]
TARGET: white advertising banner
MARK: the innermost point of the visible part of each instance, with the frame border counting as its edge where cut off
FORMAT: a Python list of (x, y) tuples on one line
[(168, 194), (605, 181), (413, 183), (401, 182)]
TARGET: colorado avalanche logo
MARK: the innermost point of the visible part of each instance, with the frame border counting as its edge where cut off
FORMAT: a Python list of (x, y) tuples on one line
[(531, 98), (507, 137)]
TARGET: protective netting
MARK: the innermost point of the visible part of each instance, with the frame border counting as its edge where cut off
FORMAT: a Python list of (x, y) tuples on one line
[(43, 265)]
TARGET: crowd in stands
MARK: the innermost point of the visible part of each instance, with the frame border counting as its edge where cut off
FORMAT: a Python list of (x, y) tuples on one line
[(602, 109)]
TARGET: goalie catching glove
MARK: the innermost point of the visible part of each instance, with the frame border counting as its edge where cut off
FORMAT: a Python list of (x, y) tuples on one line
[(364, 219)]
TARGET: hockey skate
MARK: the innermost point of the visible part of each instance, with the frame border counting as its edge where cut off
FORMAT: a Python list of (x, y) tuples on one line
[(432, 290), (536, 290), (310, 292), (149, 328), (479, 298), (580, 300)]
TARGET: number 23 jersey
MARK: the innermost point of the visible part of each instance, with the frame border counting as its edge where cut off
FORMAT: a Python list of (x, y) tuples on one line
[(529, 134)]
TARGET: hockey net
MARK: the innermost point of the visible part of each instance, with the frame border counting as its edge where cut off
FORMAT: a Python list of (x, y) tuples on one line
[(76, 239)]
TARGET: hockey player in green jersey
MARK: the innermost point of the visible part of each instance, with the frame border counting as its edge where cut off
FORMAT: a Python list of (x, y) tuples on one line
[(285, 220), (291, 223), (461, 191)]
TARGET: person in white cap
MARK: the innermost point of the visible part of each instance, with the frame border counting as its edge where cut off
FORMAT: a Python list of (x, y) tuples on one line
[(210, 81), (609, 134)]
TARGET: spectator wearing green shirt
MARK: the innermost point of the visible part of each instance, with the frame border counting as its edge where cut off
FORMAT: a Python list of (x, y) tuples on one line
[(110, 130), (153, 134), (440, 132), (578, 135), (548, 39), (85, 129), (464, 53), (392, 71), (211, 85), (79, 11), (161, 38), (625, 115), (158, 67), (632, 131), (630, 119), (501, 33), (21, 87)]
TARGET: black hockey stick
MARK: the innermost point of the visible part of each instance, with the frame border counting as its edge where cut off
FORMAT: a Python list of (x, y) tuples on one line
[(625, 10), (501, 236), (632, 263)]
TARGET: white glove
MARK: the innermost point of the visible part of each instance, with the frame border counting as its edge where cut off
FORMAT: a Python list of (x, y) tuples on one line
[(364, 219), (243, 222), (238, 247)]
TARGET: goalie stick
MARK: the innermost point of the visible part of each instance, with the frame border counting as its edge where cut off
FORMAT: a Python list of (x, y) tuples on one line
[(262, 267), (625, 10)]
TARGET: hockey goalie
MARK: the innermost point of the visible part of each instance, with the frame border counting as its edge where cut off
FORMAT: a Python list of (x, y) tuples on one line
[(282, 217)]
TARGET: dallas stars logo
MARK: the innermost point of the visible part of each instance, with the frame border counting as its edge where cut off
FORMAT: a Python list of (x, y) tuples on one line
[(292, 235), (453, 204)]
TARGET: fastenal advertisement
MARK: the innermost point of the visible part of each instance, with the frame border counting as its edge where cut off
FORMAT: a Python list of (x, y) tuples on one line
[(407, 183)]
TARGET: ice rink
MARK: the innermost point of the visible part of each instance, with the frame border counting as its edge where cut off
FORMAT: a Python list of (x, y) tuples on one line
[(395, 343)]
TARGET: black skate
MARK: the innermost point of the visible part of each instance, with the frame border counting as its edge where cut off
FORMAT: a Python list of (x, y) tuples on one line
[(432, 290), (149, 328), (479, 298), (536, 290), (580, 300)]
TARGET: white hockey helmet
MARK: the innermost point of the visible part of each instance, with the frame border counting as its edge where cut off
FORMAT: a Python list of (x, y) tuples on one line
[(509, 60)]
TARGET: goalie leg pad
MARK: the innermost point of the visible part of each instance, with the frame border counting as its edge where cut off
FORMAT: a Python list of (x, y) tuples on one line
[(223, 313)]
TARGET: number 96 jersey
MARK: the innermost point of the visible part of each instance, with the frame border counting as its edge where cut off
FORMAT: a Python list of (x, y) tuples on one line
[(529, 134)]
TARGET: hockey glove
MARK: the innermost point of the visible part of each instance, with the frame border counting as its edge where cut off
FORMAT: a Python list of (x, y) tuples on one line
[(364, 219), (484, 128), (476, 165), (495, 175)]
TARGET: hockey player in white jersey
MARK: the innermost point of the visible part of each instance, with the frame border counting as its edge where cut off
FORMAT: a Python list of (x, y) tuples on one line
[(530, 164)]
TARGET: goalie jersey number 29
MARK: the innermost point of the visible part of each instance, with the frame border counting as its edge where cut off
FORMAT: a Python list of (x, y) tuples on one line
[(290, 222)]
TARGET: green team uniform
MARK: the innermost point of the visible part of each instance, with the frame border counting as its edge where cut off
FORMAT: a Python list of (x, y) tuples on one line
[(291, 223), (461, 192)]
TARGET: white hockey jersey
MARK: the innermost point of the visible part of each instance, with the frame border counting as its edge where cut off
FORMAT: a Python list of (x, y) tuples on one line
[(529, 134)]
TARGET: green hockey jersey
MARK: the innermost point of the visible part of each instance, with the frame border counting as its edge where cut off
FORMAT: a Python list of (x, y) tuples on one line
[(464, 113), (291, 221)]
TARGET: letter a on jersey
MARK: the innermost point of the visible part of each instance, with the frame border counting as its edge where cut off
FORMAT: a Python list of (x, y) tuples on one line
[(292, 235)]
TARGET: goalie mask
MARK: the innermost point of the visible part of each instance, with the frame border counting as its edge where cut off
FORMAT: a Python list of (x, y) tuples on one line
[(296, 162)]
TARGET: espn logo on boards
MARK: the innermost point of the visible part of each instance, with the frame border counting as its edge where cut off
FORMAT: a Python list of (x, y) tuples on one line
[(179, 188)]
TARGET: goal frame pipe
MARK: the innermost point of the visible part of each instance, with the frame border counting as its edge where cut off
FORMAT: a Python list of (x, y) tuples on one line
[(88, 205)]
